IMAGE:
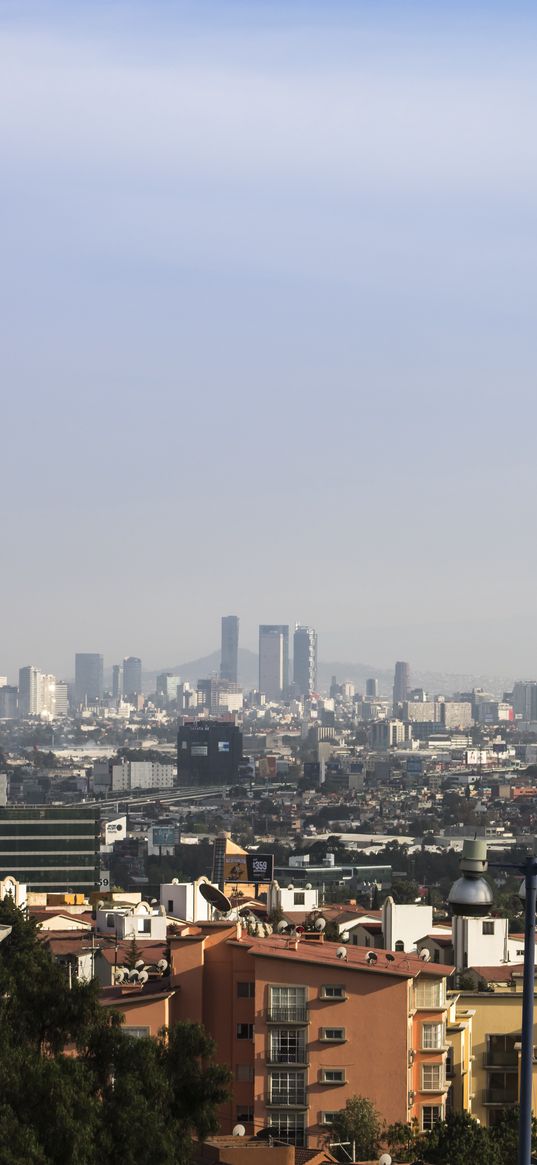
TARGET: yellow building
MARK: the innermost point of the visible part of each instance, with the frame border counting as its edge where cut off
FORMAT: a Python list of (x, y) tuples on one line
[(459, 1062), (496, 1033)]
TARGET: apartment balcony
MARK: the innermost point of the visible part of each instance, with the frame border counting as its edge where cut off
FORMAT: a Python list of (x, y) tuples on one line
[(279, 1099), (500, 1096), (500, 1059), (287, 1059), (284, 1015)]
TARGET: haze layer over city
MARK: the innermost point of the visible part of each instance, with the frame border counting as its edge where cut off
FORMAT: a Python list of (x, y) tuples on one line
[(267, 293)]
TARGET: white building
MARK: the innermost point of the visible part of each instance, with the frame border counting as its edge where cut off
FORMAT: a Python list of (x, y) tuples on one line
[(183, 900), (126, 922)]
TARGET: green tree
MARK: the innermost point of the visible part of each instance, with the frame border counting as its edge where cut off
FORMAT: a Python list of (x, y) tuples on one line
[(359, 1123), (75, 1088), (402, 1140), (459, 1140)]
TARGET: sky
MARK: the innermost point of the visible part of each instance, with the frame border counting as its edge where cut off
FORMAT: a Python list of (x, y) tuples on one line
[(267, 300)]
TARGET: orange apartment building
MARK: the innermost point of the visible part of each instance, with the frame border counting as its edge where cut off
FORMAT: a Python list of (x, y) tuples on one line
[(303, 1029)]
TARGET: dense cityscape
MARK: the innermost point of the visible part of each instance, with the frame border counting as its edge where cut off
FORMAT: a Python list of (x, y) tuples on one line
[(163, 832), (268, 890)]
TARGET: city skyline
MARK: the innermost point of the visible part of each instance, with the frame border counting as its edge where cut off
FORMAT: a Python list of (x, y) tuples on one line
[(298, 239)]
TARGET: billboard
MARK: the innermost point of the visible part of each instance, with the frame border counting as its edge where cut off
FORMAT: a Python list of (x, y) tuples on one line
[(248, 867), (164, 835)]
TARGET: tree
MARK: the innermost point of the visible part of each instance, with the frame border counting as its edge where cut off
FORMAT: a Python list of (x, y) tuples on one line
[(359, 1123), (402, 1139), (75, 1088), (459, 1140)]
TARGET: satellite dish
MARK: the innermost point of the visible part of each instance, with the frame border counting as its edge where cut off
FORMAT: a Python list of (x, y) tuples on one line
[(175, 881), (143, 977), (385, 1159), (215, 898), (341, 953), (134, 976), (371, 958), (290, 886), (299, 929), (345, 936), (119, 975), (162, 965), (425, 955), (240, 1131), (390, 958), (320, 923), (309, 886), (139, 964), (282, 926)]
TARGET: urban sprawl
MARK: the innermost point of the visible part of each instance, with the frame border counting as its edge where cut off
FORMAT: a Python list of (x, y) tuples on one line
[(278, 864)]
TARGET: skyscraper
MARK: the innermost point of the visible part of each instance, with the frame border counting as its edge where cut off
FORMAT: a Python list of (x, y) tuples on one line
[(371, 689), (116, 681), (229, 661), (132, 676), (401, 683), (37, 693), (88, 677), (305, 660), (274, 660)]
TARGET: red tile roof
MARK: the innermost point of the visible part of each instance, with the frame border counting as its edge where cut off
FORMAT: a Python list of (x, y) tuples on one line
[(357, 958)]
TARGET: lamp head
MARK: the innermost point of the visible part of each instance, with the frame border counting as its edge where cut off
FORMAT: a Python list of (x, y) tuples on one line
[(471, 895)]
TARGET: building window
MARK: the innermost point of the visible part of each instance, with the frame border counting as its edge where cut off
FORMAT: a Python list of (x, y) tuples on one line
[(110, 920), (244, 1073), (288, 1126), (245, 990), (299, 898), (430, 1115), (328, 1118), (399, 946), (245, 1112), (170, 906), (144, 926), (334, 1035), (245, 1031), (488, 927), (430, 993), (432, 1077), (332, 991), (287, 1087), (332, 1075), (287, 1046), (450, 1063), (288, 1004), (433, 1035), (137, 1032)]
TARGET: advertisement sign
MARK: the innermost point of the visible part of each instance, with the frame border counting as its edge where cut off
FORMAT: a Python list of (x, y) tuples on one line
[(164, 835), (115, 830), (248, 867)]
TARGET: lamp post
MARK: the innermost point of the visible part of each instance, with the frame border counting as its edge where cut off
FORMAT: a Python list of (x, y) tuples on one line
[(472, 896)]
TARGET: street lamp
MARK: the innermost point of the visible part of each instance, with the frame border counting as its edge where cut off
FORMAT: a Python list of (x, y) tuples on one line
[(471, 896)]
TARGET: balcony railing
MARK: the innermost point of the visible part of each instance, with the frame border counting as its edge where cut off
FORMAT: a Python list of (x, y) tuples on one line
[(500, 1059), (277, 1098), (500, 1096), (297, 1059), (287, 1015)]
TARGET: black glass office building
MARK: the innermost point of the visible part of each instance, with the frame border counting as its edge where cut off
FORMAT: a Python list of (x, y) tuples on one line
[(51, 847)]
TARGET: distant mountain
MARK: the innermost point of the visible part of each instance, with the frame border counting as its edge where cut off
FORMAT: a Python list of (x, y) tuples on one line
[(356, 673)]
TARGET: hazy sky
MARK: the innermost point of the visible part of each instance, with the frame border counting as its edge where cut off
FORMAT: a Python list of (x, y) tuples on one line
[(268, 287)]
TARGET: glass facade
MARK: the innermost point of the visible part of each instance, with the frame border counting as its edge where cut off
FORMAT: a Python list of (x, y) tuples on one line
[(51, 847)]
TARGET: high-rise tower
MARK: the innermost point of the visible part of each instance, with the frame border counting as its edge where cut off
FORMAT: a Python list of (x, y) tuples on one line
[(229, 660), (88, 678), (401, 683), (132, 676), (305, 660), (274, 660)]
